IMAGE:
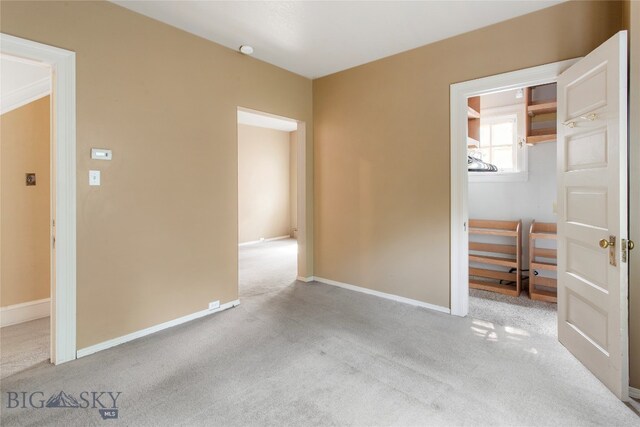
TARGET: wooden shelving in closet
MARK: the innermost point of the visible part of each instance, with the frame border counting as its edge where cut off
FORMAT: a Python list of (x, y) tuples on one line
[(541, 115), (473, 119), (542, 288), (501, 263)]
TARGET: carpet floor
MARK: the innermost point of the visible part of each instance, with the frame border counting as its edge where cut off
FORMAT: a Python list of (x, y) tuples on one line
[(312, 354), (23, 346), (521, 312)]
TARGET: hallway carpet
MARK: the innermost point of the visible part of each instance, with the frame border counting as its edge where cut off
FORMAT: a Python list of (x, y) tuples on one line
[(311, 354), (23, 346)]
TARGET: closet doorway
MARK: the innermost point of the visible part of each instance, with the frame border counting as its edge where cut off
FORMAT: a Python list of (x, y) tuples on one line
[(592, 204), (512, 208)]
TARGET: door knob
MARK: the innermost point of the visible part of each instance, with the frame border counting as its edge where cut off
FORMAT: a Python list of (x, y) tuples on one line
[(631, 244), (604, 243)]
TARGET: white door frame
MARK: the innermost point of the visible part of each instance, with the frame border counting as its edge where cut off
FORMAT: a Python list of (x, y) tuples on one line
[(63, 173), (301, 172), (459, 256)]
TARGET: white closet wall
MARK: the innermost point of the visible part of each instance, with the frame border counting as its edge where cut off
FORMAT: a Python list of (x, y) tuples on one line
[(533, 199)]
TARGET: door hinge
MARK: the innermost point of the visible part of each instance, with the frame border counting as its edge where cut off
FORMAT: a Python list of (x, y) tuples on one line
[(627, 245)]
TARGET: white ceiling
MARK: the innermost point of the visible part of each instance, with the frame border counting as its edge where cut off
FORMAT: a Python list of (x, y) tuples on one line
[(21, 82), (266, 121), (316, 38), (500, 99)]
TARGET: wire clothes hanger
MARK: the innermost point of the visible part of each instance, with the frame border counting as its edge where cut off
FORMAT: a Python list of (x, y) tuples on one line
[(475, 164)]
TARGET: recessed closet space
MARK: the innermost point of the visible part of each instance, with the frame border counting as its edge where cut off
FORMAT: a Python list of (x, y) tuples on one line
[(512, 208)]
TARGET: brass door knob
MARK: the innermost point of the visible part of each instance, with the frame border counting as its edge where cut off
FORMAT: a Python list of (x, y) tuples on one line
[(631, 244), (604, 243)]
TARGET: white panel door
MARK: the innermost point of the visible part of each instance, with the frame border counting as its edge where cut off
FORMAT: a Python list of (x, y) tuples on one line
[(592, 213)]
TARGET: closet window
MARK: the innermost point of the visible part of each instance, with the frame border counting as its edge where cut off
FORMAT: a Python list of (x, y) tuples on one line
[(499, 142)]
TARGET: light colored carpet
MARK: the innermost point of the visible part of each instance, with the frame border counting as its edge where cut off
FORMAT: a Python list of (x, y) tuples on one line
[(23, 346), (313, 354), (267, 267), (521, 312)]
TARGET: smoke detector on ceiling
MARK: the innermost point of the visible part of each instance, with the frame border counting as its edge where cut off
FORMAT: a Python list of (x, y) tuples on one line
[(246, 49)]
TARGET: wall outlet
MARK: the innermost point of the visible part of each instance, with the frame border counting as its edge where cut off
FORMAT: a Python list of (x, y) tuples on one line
[(213, 305)]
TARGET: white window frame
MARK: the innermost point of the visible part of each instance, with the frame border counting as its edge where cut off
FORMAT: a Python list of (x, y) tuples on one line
[(522, 174)]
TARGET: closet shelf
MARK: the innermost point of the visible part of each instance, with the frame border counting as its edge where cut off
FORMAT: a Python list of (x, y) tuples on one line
[(484, 259), (508, 257), (548, 296), (543, 235), (542, 288), (542, 131), (494, 287), (544, 253), (472, 113), (542, 113), (538, 265), (538, 139), (493, 232), (493, 247), (492, 274), (547, 282), (542, 108)]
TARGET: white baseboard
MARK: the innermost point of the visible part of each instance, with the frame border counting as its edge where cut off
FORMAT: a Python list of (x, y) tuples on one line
[(305, 279), (384, 295), (634, 392), (150, 330), (19, 313), (253, 242)]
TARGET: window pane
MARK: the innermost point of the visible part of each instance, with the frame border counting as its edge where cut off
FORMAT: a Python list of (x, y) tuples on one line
[(482, 154), (502, 133), (485, 135), (503, 157)]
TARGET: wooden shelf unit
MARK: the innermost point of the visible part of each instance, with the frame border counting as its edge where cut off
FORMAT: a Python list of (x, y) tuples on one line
[(473, 121), (494, 254), (542, 288), (546, 111)]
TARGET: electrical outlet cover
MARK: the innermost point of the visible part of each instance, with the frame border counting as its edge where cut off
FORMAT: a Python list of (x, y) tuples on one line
[(213, 305)]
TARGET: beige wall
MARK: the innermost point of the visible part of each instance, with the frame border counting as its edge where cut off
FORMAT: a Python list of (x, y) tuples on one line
[(158, 239), (381, 144), (25, 211), (632, 22), (293, 182), (264, 209)]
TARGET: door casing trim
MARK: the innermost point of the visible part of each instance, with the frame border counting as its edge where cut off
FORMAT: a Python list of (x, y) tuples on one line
[(459, 255), (63, 189)]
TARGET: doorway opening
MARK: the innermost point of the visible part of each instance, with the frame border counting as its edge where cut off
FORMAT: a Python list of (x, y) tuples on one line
[(592, 204), (505, 130), (511, 149), (270, 202), (26, 214), (53, 247)]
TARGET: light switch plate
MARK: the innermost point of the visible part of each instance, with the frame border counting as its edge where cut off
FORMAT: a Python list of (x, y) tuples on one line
[(94, 177)]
